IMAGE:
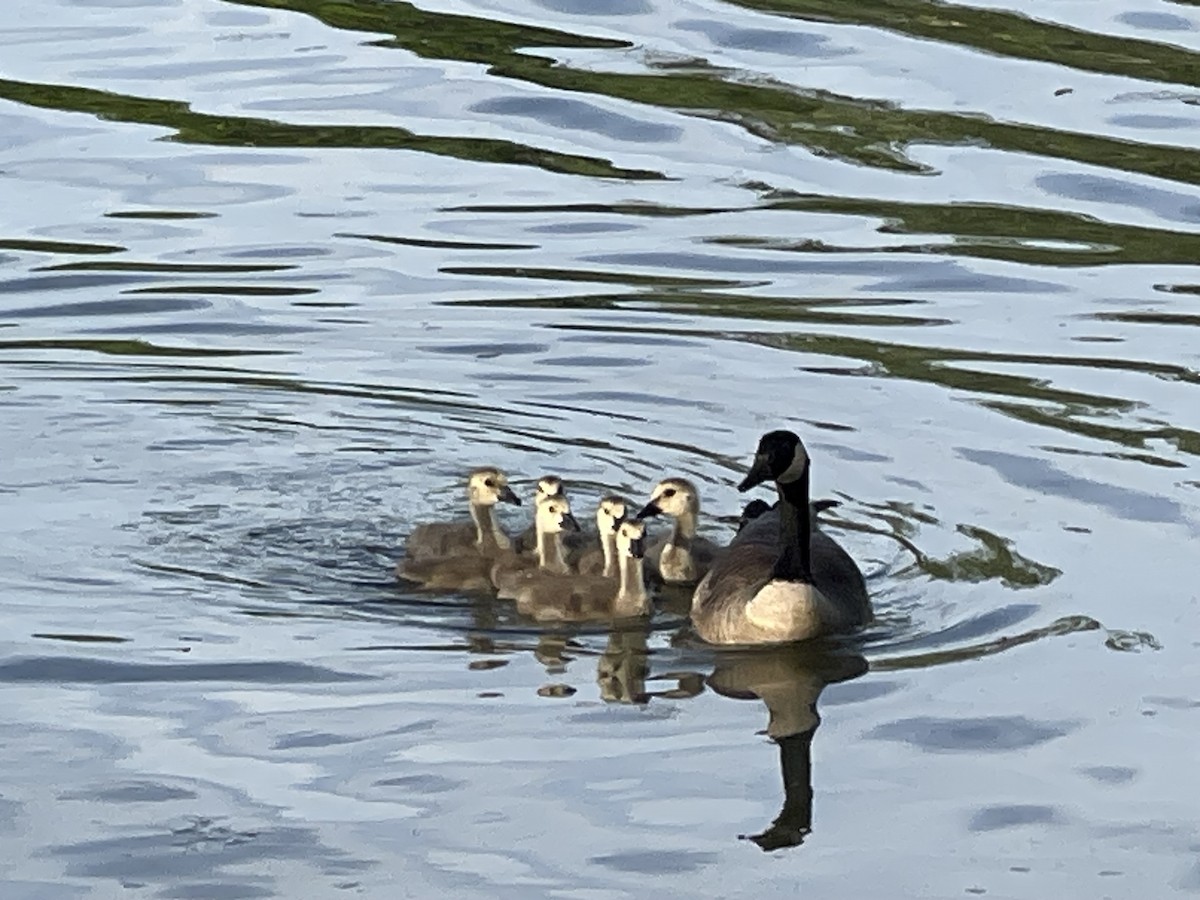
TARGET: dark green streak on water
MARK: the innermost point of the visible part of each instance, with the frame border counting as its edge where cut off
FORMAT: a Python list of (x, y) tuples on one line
[(203, 268), (165, 214), (232, 290), (238, 131), (868, 132), (82, 638), (125, 348), (1003, 33), (809, 310), (435, 244), (994, 558), (982, 230), (1052, 407), (578, 275), (1006, 233), (897, 359), (32, 246), (1063, 626), (643, 209)]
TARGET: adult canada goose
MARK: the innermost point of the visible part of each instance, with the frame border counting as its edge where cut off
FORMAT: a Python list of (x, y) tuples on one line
[(551, 518), (486, 487), (601, 559), (682, 557), (780, 580), (577, 598)]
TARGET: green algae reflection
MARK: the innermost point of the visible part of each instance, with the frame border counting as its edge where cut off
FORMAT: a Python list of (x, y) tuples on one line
[(192, 127), (869, 132)]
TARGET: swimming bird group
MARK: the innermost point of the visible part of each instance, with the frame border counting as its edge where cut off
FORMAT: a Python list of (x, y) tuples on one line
[(780, 579)]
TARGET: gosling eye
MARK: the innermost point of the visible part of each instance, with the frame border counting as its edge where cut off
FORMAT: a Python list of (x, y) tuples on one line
[(489, 482), (669, 492)]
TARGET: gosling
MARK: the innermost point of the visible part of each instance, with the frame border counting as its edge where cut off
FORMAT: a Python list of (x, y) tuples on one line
[(486, 487), (551, 519), (578, 598), (682, 557)]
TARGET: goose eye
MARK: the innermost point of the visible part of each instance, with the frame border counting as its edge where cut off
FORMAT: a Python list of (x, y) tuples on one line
[(489, 482), (669, 492)]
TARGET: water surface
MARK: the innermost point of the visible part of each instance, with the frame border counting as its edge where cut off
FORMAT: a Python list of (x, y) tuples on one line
[(275, 273)]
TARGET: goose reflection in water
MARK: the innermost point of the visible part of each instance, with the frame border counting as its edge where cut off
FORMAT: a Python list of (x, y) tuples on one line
[(788, 680)]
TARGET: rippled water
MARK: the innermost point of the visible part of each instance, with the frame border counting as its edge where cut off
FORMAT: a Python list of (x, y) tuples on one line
[(274, 273)]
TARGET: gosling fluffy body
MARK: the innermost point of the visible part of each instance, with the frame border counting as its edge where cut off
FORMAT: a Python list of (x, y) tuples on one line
[(486, 486), (552, 518), (547, 597), (460, 555), (681, 557)]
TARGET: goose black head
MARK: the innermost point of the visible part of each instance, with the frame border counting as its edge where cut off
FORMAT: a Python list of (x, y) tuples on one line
[(781, 457)]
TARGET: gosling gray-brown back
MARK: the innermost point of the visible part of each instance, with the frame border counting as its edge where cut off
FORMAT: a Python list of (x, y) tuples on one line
[(780, 579), (577, 598), (459, 555)]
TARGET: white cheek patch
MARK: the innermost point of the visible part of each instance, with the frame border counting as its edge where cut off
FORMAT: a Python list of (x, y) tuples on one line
[(798, 465)]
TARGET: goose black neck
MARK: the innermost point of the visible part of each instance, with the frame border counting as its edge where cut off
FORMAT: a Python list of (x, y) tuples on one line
[(795, 532)]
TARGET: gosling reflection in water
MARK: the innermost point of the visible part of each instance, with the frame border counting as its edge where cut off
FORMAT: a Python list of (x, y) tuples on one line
[(788, 680), (623, 666)]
